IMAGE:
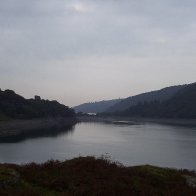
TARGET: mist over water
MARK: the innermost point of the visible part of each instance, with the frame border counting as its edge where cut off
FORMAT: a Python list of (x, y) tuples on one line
[(161, 145)]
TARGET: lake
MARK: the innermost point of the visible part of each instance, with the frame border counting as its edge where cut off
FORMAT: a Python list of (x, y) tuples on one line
[(148, 143)]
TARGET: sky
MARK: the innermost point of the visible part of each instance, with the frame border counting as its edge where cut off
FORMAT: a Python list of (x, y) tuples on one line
[(80, 51)]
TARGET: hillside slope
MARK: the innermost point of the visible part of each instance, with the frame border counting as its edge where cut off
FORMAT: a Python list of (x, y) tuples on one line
[(96, 107), (158, 95), (181, 105), (13, 106)]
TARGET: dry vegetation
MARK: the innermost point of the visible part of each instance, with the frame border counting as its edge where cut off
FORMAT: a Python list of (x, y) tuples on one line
[(92, 176)]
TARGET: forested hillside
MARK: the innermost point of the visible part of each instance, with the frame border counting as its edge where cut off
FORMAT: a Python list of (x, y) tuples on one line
[(181, 105), (17, 107), (158, 95), (96, 107)]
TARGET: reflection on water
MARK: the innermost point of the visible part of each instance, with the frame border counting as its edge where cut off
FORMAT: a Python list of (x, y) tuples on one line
[(49, 132), (137, 144)]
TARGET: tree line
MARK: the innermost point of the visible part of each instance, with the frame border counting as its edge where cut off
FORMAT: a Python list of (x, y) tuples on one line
[(16, 107)]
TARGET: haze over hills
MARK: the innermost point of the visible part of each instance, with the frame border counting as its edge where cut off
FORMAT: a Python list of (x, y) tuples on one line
[(119, 105), (96, 107), (171, 102)]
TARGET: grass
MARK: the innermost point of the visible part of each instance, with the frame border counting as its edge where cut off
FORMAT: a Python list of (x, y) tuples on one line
[(92, 176)]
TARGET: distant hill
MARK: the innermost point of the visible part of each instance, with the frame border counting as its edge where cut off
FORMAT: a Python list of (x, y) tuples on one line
[(96, 107), (14, 106), (158, 95), (181, 105)]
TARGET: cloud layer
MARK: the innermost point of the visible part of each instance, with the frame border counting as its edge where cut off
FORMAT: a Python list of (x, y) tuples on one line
[(77, 51)]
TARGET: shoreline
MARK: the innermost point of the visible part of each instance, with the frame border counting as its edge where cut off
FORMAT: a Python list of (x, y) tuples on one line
[(13, 128), (132, 121), (41, 126)]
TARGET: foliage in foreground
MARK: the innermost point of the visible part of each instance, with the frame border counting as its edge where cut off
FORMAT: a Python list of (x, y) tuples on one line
[(91, 176)]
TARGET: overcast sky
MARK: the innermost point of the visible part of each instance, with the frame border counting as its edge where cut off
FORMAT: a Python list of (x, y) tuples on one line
[(85, 50)]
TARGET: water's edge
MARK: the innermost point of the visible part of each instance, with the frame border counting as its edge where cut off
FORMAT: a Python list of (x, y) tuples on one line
[(127, 120), (19, 127)]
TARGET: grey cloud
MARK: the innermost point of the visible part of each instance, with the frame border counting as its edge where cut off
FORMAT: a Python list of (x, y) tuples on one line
[(113, 26), (51, 36)]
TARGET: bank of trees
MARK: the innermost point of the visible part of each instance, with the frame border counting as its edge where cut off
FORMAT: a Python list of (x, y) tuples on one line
[(181, 105), (16, 107)]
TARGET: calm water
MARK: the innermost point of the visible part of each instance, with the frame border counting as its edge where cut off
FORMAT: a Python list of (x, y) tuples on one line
[(155, 144)]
